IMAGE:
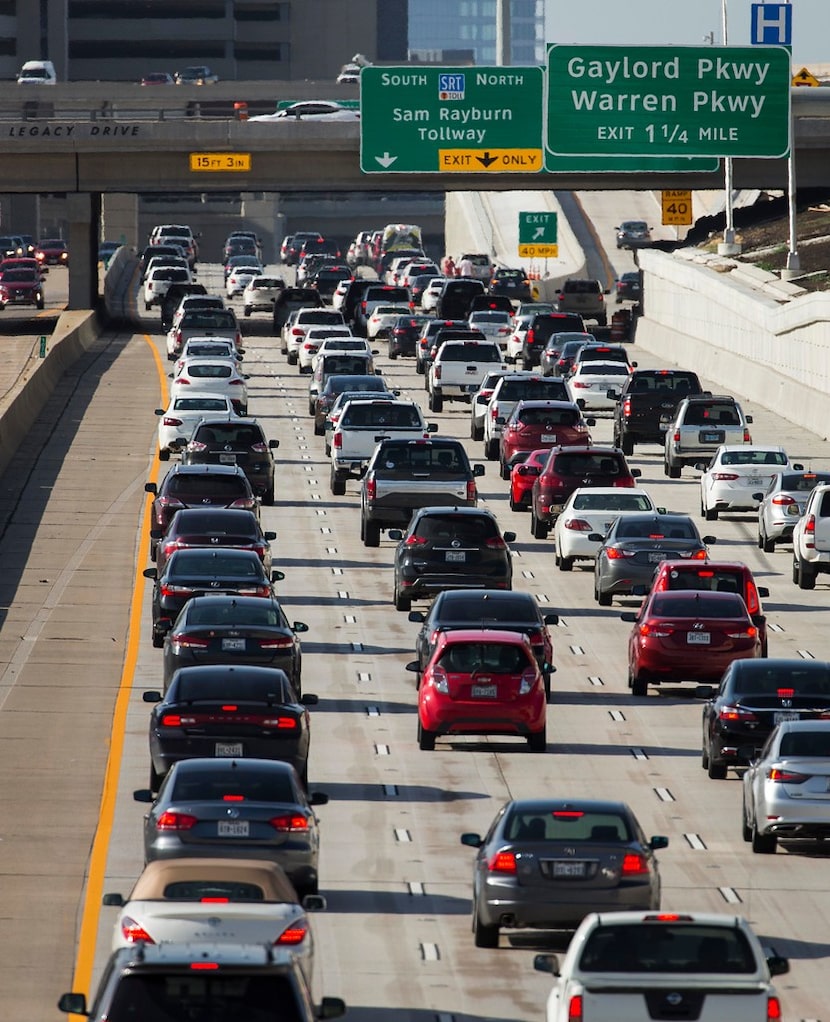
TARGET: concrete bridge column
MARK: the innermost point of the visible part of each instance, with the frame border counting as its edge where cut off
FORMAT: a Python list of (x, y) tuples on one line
[(83, 211)]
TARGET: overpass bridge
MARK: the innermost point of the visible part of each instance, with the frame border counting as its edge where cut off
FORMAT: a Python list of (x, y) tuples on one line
[(90, 139)]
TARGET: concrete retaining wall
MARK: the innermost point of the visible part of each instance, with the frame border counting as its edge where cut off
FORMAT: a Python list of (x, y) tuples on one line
[(741, 329)]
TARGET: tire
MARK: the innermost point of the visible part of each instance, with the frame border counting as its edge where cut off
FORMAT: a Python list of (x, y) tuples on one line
[(491, 449), (247, 310), (704, 757), (639, 685), (717, 771), (484, 936), (419, 367), (603, 599), (392, 355), (546, 679), (155, 779), (746, 830), (292, 358), (626, 445), (763, 844), (527, 364), (603, 321), (40, 303), (513, 505), (673, 471), (371, 534), (158, 640), (147, 306), (426, 739), (765, 543), (710, 514), (436, 402), (268, 496), (337, 483), (402, 602), (164, 455), (795, 571), (476, 432), (537, 529), (566, 563), (538, 742), (806, 576), (504, 470)]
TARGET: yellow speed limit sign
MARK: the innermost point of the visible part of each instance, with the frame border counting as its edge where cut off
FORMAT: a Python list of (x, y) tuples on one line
[(677, 206)]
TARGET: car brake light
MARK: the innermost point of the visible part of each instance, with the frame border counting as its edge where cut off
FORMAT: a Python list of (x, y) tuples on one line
[(786, 776), (782, 500), (656, 629), (676, 436), (580, 384), (626, 408), (190, 641), (744, 633), (530, 336), (810, 530), (247, 503), (575, 1008), (472, 491), (437, 371), (289, 823), (371, 487), (494, 412), (615, 553), (279, 642), (633, 864), (292, 936), (753, 604), (204, 966), (175, 821), (183, 381), (414, 541), (197, 445), (236, 383), (725, 476), (495, 543), (577, 525), (132, 931), (785, 693), (698, 555), (567, 814), (502, 862), (167, 590), (773, 1009), (735, 713), (747, 437), (176, 720), (259, 448)]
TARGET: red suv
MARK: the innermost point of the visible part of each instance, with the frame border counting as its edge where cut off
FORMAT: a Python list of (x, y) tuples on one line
[(536, 424), (568, 468)]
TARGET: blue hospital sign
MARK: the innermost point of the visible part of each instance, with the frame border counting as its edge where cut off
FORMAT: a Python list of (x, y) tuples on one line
[(772, 25), (451, 86)]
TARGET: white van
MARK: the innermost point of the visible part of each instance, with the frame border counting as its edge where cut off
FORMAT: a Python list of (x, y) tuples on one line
[(37, 72)]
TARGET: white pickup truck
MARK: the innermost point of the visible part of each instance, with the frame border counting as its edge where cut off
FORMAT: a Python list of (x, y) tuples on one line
[(361, 426), (811, 539), (458, 369), (636, 966)]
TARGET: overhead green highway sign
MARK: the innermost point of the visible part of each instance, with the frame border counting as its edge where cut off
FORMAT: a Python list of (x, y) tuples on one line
[(724, 101), (451, 120)]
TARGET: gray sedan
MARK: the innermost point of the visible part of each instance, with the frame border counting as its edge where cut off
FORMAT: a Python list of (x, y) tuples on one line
[(786, 791), (782, 504), (634, 546), (243, 808), (547, 863)]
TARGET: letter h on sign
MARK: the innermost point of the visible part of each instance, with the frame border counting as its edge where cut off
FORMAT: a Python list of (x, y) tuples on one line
[(772, 25)]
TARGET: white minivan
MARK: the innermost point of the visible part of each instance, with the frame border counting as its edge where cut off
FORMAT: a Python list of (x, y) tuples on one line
[(37, 72)]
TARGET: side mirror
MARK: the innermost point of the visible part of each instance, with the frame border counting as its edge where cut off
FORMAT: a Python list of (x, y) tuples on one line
[(763, 592), (314, 903), (777, 965), (156, 534), (143, 795), (658, 841), (633, 365), (273, 444), (159, 411), (705, 692), (73, 1004), (636, 473), (798, 467), (748, 419), (432, 427), (277, 576), (114, 900), (150, 488), (269, 536), (416, 616), (151, 696), (331, 1007), (509, 537), (309, 699), (395, 534), (595, 537), (639, 589), (478, 471), (318, 798), (299, 626), (590, 422), (628, 616), (551, 619), (759, 496), (709, 540), (413, 666), (150, 573), (700, 466), (482, 399), (472, 840), (500, 420), (546, 963)]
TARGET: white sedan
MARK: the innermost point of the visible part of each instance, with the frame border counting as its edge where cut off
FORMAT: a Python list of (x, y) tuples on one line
[(593, 509), (494, 324), (591, 381), (239, 278), (182, 414), (431, 293), (208, 347), (308, 110), (314, 338), (351, 344), (219, 376), (260, 294), (384, 317), (735, 473), (339, 293)]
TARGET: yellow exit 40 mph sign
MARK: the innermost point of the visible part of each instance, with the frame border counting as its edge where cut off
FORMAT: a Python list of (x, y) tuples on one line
[(677, 206)]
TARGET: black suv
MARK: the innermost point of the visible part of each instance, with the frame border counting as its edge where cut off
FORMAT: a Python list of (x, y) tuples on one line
[(239, 442), (181, 981), (450, 548), (541, 328), (404, 475), (198, 486), (456, 297), (404, 334)]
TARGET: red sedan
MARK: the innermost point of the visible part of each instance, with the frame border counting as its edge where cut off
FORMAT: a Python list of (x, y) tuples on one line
[(535, 424), (479, 681), (522, 476), (688, 635)]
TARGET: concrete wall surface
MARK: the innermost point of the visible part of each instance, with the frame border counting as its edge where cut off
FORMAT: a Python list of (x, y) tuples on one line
[(767, 339)]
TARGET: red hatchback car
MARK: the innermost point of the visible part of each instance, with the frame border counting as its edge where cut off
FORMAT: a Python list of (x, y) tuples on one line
[(688, 635), (535, 424), (478, 682), (523, 476)]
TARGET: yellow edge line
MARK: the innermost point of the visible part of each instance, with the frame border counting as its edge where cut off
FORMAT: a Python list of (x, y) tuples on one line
[(100, 847)]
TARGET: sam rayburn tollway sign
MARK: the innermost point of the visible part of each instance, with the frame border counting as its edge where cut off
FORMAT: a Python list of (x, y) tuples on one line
[(463, 120), (668, 101)]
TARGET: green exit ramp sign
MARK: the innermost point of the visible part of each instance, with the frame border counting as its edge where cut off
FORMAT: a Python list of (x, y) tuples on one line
[(724, 101), (537, 236)]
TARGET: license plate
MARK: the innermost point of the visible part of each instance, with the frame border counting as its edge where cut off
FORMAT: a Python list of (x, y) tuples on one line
[(781, 715), (233, 645), (484, 691), (755, 480), (698, 638), (711, 437), (569, 869), (233, 749), (227, 459), (655, 558), (548, 438), (456, 556), (233, 828), (795, 510)]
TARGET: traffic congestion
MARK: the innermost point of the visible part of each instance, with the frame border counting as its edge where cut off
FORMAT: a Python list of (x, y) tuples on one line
[(358, 479)]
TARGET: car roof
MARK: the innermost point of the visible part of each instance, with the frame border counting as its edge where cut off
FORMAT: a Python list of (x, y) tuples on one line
[(593, 805), (472, 634), (270, 877), (200, 470)]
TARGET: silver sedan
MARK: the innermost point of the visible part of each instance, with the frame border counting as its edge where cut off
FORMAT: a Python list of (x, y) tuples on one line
[(786, 791), (782, 504)]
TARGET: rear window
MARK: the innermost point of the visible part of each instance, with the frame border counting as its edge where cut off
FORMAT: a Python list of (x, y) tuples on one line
[(237, 436), (423, 459), (548, 416), (387, 294), (216, 486), (753, 458), (228, 612), (589, 367), (667, 947), (209, 564), (587, 826), (665, 383), (324, 317), (240, 686), (492, 657), (467, 528), (214, 319), (699, 606), (471, 352), (227, 523), (804, 483), (582, 287), (344, 364), (490, 609), (805, 743), (813, 680), (712, 415), (213, 371), (604, 354), (365, 385), (585, 463), (544, 326), (213, 890), (179, 993), (391, 414), (611, 502), (642, 528), (200, 404), (720, 580)]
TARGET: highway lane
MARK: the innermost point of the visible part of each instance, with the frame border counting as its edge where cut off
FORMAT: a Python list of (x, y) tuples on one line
[(396, 936)]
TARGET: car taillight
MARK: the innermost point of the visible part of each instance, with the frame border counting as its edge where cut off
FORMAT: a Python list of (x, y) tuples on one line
[(575, 1008), (747, 437), (625, 482), (785, 693), (337, 440), (783, 500), (744, 633), (279, 642), (495, 543), (633, 864), (292, 936), (132, 931), (246, 503), (577, 525), (502, 862), (536, 638), (190, 641), (782, 776), (580, 384), (656, 629), (753, 604), (170, 421), (735, 714), (371, 487), (176, 720), (289, 823), (415, 541), (615, 553), (494, 412), (236, 383), (170, 502), (472, 491), (725, 476), (773, 1009), (170, 590), (527, 682), (626, 408), (197, 445), (175, 821), (676, 436), (698, 555), (810, 531), (437, 372), (530, 336), (183, 381)]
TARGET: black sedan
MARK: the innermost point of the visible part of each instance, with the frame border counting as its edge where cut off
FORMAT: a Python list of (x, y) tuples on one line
[(513, 283), (234, 630), (450, 548), (547, 863), (634, 546), (513, 611), (235, 808), (224, 528), (404, 333), (201, 571), (753, 697), (236, 712)]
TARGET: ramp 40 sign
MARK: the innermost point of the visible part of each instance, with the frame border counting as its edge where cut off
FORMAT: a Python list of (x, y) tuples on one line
[(451, 120), (668, 101)]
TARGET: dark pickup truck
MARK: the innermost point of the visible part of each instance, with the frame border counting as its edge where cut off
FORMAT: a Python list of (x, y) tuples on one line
[(647, 401)]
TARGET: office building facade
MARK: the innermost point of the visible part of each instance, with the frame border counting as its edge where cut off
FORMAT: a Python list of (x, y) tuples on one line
[(439, 27)]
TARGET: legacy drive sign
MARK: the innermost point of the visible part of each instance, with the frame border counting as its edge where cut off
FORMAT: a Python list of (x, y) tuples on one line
[(668, 101), (451, 120)]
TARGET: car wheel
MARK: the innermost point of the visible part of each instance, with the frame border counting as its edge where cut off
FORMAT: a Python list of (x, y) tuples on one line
[(514, 506), (402, 602), (806, 576), (704, 756), (292, 358), (766, 544), (158, 640), (673, 471), (546, 679), (537, 529), (419, 367), (436, 401), (626, 445), (426, 739), (602, 598), (717, 771), (268, 496), (527, 364), (746, 830), (566, 563), (337, 483), (603, 321), (392, 355), (319, 428), (147, 306), (371, 534), (247, 310), (795, 571), (483, 935), (164, 455), (155, 778), (491, 449), (710, 514), (39, 303), (504, 470), (763, 844), (639, 685), (538, 742), (476, 432)]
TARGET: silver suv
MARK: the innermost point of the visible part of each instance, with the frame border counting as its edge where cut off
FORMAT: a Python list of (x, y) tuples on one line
[(701, 424)]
